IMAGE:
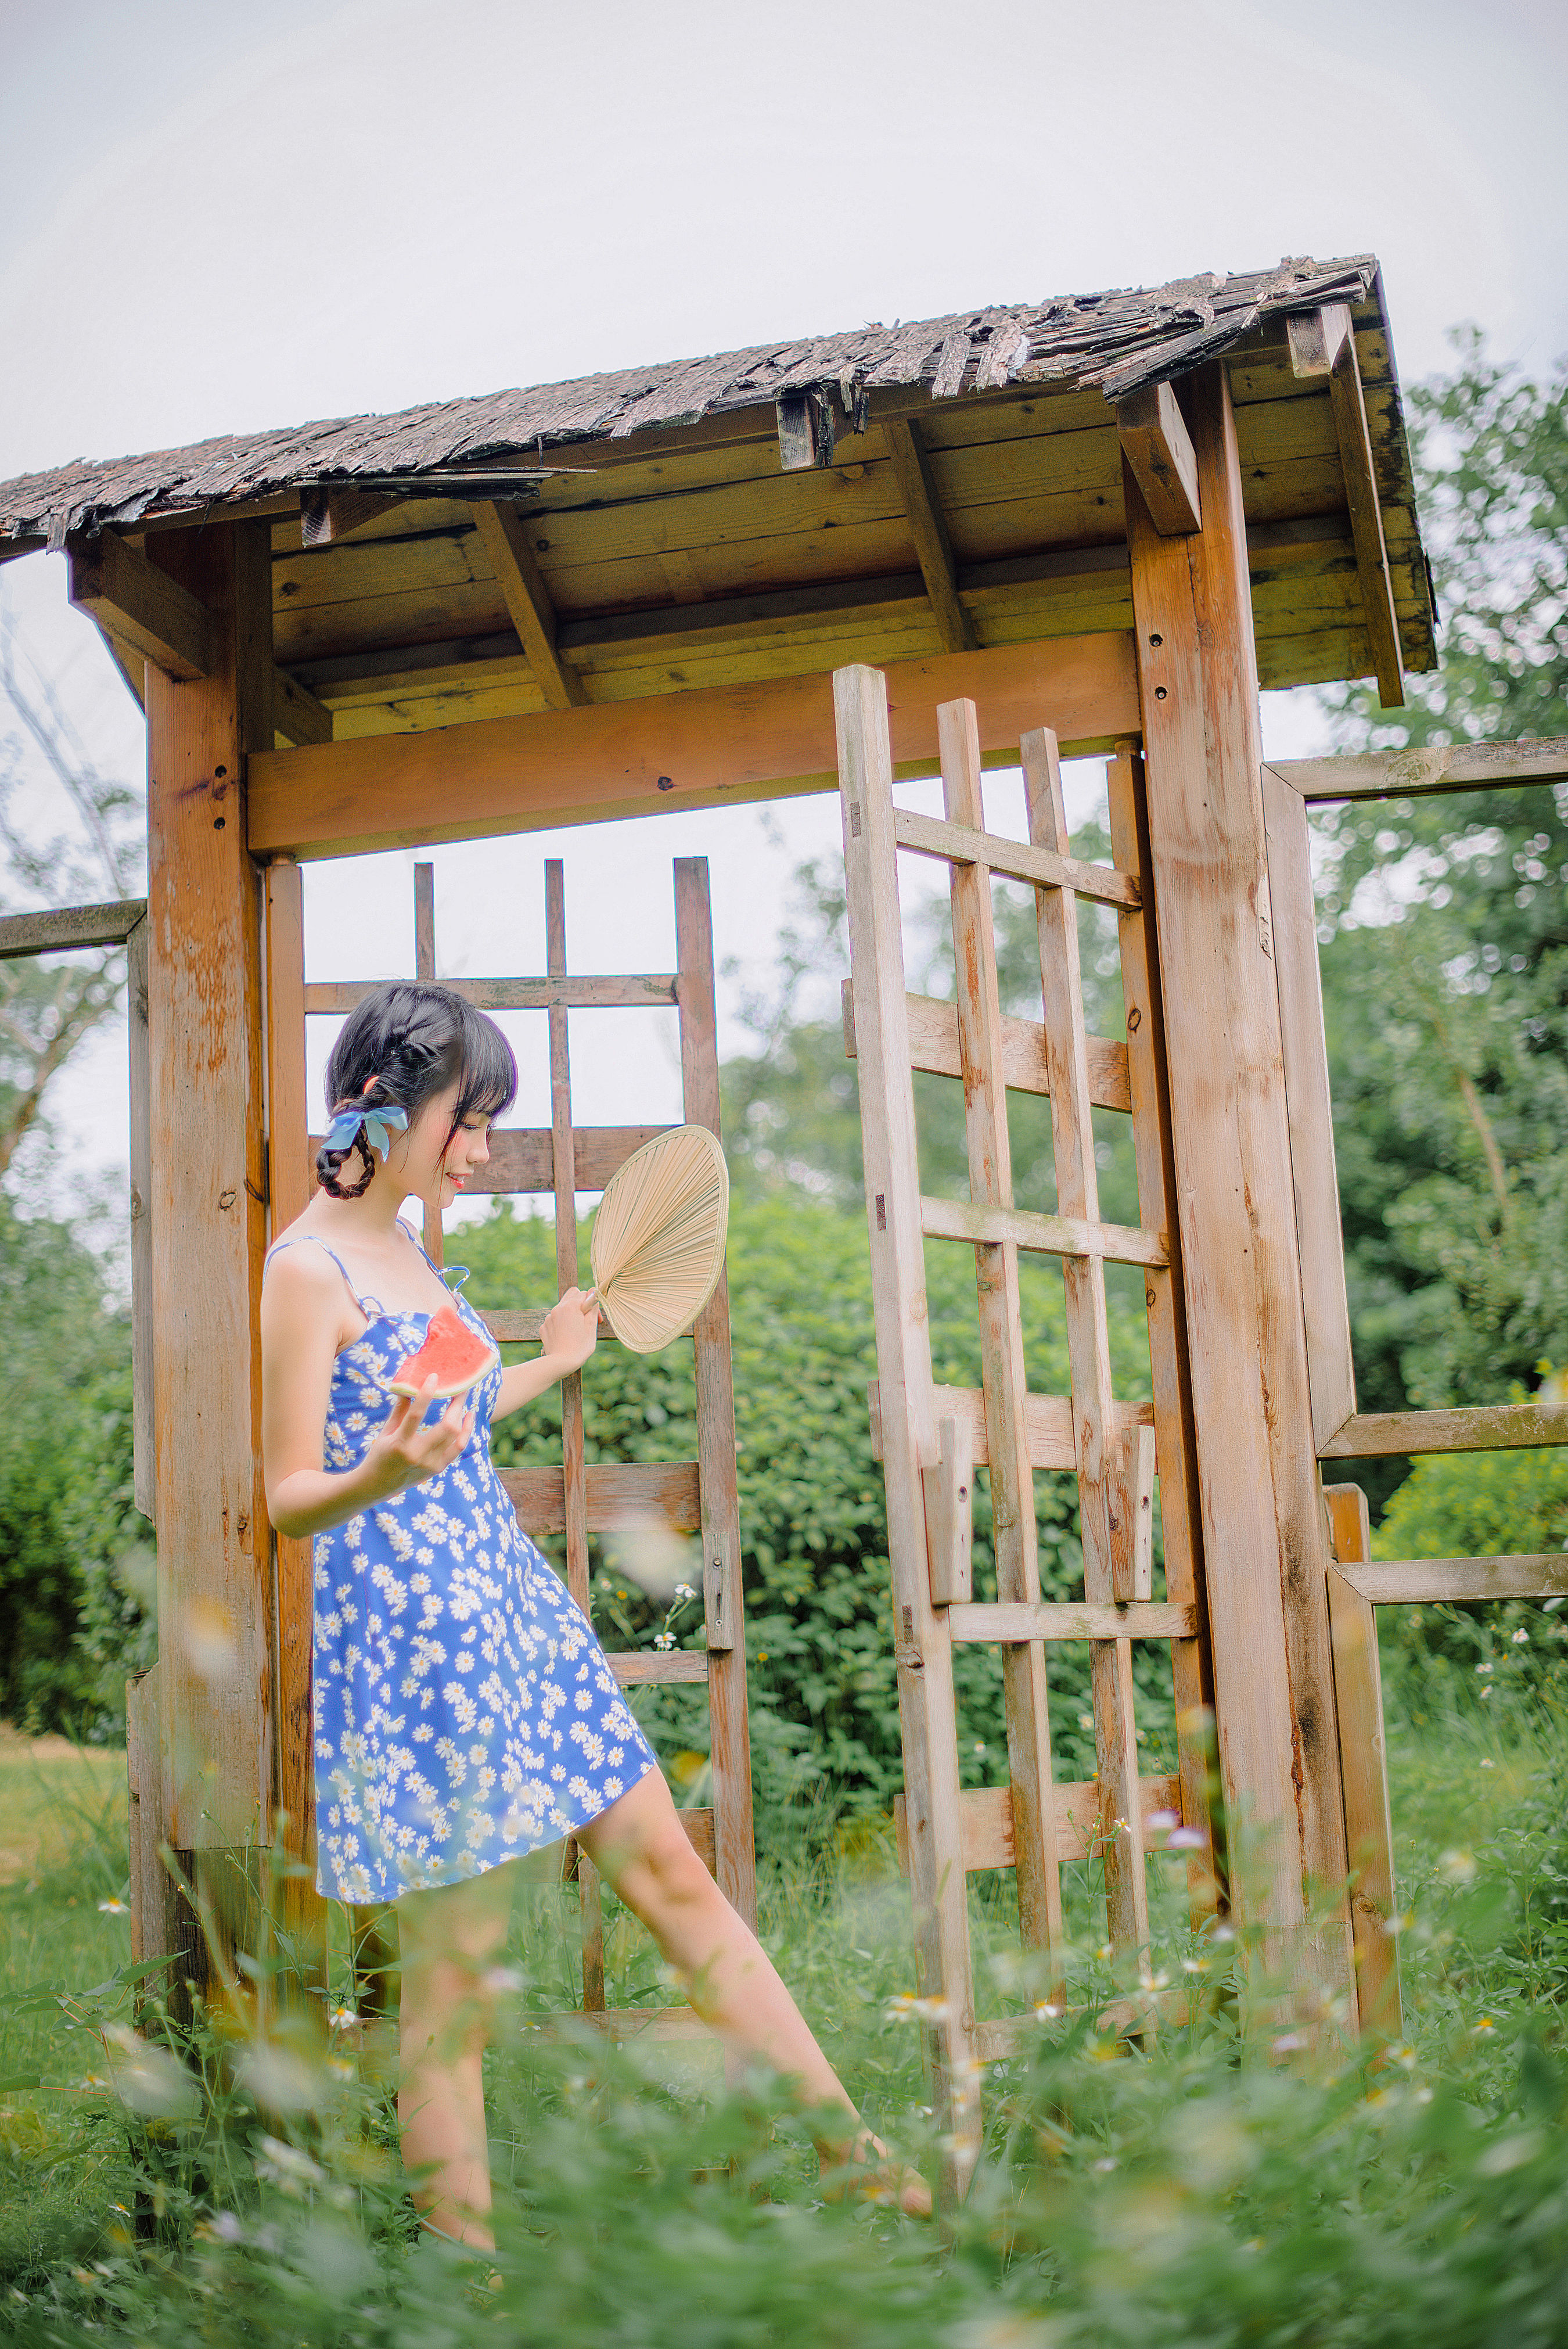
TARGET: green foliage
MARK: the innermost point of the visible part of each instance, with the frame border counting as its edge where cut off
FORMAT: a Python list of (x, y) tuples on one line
[(65, 1515), (812, 1511)]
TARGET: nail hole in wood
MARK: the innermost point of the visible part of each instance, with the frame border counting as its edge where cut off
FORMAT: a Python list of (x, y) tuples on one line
[(1159, 693), (667, 782)]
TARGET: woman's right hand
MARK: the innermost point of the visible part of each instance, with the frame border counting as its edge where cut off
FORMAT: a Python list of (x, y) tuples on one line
[(406, 1452)]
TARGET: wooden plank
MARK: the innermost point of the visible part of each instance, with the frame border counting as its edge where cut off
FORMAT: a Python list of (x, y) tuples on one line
[(928, 527), (70, 929), (1363, 1769), (1292, 918), (522, 582), (1048, 1421), (685, 1667), (520, 775), (1323, 343), (297, 715), (425, 967), (1105, 1521), (144, 1488), (655, 990), (923, 1650), (524, 1327), (522, 1158), (1471, 1427), (949, 1489), (205, 1073), (618, 1495), (1026, 1066), (1262, 1534), (154, 1913), (959, 843), (1080, 1814), (1411, 774), (1135, 1492), (1159, 452), (1175, 1451), (723, 1604), (1063, 1236), (1007, 1623), (1003, 1381), (1458, 1581), (143, 605)]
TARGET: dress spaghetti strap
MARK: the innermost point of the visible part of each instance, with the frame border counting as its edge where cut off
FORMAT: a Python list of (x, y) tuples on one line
[(365, 1304)]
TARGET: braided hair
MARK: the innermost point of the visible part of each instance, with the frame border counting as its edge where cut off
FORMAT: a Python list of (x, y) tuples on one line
[(401, 1046)]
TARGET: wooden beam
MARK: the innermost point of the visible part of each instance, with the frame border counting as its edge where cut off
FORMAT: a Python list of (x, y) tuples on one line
[(208, 1187), (527, 598), (1264, 1544), (963, 843), (1458, 1581), (297, 715), (69, 929), (983, 1625), (934, 1047), (714, 747), (1473, 1427), (1048, 1422), (1064, 1235), (1323, 343), (1080, 1818), (1411, 774), (141, 605), (1320, 1240), (928, 525), (1157, 446), (144, 1490)]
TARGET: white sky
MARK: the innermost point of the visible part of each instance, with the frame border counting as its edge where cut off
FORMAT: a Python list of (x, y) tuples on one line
[(220, 215)]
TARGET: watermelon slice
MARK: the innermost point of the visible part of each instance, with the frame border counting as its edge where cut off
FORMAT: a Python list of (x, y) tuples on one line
[(452, 1353)]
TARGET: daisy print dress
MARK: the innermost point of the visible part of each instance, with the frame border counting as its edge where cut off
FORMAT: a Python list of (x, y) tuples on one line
[(462, 1710)]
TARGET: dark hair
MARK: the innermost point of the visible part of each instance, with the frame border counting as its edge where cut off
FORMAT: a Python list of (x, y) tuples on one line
[(399, 1047)]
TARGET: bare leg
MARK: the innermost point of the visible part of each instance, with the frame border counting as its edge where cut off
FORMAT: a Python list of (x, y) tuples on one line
[(641, 1846), (450, 1938)]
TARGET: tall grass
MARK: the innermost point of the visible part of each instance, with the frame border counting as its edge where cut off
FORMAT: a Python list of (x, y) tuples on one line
[(1223, 2184)]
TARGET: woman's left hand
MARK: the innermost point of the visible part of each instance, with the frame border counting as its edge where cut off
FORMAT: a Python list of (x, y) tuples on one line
[(570, 1331)]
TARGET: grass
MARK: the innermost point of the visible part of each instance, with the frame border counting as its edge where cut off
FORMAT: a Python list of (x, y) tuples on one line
[(1221, 2188)]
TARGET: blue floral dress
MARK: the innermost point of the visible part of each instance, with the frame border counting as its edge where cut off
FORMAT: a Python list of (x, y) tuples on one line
[(462, 1710)]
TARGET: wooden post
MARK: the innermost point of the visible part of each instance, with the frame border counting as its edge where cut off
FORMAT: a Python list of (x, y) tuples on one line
[(1264, 1539), (735, 1853), (1364, 1761), (144, 1484), (207, 1195), (425, 967)]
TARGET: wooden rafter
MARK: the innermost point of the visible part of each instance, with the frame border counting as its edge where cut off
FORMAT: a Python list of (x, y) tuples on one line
[(1159, 448), (141, 606), (528, 600), (1323, 344), (933, 546)]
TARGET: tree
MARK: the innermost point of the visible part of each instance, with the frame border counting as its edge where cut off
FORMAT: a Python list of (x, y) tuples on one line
[(73, 841)]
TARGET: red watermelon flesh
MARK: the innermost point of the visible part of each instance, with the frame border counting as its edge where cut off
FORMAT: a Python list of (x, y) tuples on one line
[(452, 1354)]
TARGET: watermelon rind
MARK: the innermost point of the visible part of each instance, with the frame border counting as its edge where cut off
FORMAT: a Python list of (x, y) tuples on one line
[(450, 1387)]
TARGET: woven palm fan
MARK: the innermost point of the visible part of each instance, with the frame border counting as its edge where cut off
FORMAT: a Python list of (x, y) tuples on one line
[(657, 1248)]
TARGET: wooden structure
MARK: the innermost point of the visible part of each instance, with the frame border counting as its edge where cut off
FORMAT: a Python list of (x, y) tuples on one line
[(1090, 524)]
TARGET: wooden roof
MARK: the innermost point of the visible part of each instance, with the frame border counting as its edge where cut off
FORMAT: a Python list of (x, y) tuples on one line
[(767, 512)]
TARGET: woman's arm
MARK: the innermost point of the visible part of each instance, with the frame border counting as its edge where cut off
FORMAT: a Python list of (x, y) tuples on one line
[(568, 1336), (302, 1323)]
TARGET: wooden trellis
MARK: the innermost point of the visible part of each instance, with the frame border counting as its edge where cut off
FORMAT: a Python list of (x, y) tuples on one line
[(576, 1499), (931, 1438)]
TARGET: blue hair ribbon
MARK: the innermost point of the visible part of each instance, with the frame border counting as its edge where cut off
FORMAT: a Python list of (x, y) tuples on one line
[(380, 1124)]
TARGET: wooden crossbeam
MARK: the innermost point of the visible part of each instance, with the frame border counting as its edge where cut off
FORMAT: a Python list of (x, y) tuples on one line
[(1458, 1581), (1158, 445), (683, 1667), (987, 1625), (297, 715), (1471, 1427), (712, 746), (961, 843), (1323, 343), (1064, 1235), (1412, 774), (68, 929), (934, 1047), (928, 527), (1082, 1820), (141, 606), (617, 1497), (1047, 1422), (617, 992), (522, 1158), (527, 598)]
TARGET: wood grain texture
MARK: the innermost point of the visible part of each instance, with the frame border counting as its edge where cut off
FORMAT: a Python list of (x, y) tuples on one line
[(1411, 774), (1159, 449), (626, 992), (145, 607), (1026, 1066), (928, 527), (728, 743), (1264, 1542), (949, 1492), (961, 844), (1175, 1451), (1458, 1581), (723, 1605), (1469, 1427), (1047, 1420), (521, 582), (1063, 1236), (1007, 1623), (1320, 1241), (1363, 1769), (922, 1652), (522, 1158), (154, 1924), (207, 1188), (63, 930), (144, 1484), (618, 1497), (297, 715), (1004, 1381), (1082, 1819)]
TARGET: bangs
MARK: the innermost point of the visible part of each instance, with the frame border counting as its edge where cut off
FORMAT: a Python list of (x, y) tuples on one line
[(487, 1086)]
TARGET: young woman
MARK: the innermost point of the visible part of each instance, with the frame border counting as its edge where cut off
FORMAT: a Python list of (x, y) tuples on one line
[(463, 1713)]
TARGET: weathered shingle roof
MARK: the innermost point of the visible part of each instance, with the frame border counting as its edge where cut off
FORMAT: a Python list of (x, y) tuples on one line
[(1120, 341)]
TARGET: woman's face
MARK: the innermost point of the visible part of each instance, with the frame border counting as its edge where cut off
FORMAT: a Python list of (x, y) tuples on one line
[(438, 1170)]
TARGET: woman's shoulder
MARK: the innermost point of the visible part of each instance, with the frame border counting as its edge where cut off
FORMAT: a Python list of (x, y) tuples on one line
[(300, 1264)]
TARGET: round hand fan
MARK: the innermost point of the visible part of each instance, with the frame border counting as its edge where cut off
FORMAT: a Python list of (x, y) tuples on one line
[(657, 1248)]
